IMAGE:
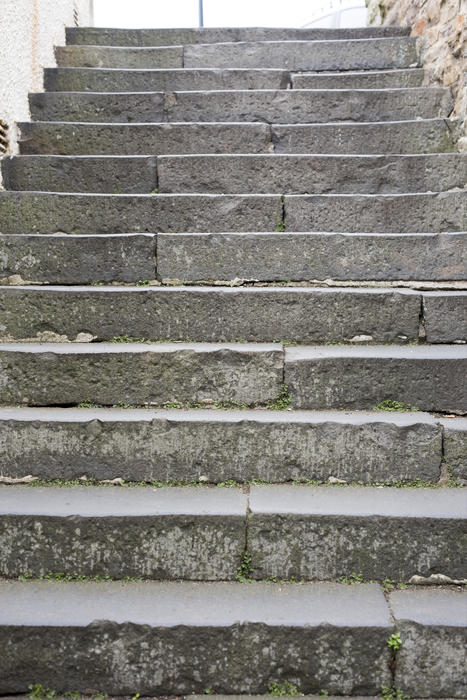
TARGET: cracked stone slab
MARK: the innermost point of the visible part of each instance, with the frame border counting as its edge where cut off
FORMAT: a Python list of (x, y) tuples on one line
[(297, 256), (359, 80), (216, 446), (206, 35), (179, 638), (326, 532), (120, 57), (107, 373), (455, 445), (210, 314), (393, 52), (71, 138), (52, 212), (432, 378), (69, 259), (281, 173), (432, 624), (188, 533), (445, 315), (381, 213), (416, 136)]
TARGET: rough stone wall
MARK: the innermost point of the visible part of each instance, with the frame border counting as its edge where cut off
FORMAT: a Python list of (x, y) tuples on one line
[(440, 24), (29, 29)]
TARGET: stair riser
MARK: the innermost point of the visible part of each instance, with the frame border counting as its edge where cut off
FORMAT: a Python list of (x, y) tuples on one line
[(282, 106), (77, 259), (214, 315), (446, 317), (327, 547), (369, 80), (220, 448), (236, 174), (455, 446), (108, 57), (103, 80), (300, 256), (208, 35), (359, 382), (164, 547), (44, 378), (64, 138), (37, 212)]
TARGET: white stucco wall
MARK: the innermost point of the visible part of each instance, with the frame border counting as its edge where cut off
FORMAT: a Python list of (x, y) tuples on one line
[(29, 30)]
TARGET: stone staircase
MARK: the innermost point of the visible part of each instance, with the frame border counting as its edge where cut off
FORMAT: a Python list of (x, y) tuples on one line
[(221, 250)]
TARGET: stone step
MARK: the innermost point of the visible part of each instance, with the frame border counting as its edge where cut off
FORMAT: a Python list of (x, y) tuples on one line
[(98, 36), (431, 378), (179, 638), (207, 257), (212, 314), (69, 259), (81, 138), (189, 533), (445, 317), (324, 532), (236, 174), (271, 106), (53, 212), (138, 373), (273, 257), (211, 635), (359, 80), (360, 54), (220, 445), (156, 79)]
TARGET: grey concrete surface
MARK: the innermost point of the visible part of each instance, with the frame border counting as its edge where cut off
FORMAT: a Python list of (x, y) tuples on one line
[(455, 445), (327, 532), (180, 638), (69, 259), (174, 533), (357, 80), (432, 378), (120, 57), (433, 627), (382, 213), (106, 373), (49, 212), (445, 315), (212, 314), (307, 256), (147, 445)]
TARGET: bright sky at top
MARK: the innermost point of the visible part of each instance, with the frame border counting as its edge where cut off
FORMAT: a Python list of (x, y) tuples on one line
[(217, 13)]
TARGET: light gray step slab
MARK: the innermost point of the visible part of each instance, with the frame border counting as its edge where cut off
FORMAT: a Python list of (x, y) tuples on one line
[(416, 136), (271, 106), (445, 316), (433, 626), (185, 637), (210, 314), (285, 174), (154, 79), (325, 532), (205, 35), (71, 138), (161, 445), (82, 138), (432, 378), (381, 213), (105, 174), (188, 533), (274, 257), (69, 259), (107, 373), (360, 54), (369, 79), (48, 212), (455, 445), (236, 174), (120, 57)]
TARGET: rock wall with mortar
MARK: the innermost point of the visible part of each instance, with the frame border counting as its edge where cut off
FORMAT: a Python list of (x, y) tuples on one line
[(29, 29), (440, 25)]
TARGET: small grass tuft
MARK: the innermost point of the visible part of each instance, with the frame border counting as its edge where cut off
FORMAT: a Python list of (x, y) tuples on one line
[(390, 405), (393, 694), (244, 569), (395, 641), (280, 689)]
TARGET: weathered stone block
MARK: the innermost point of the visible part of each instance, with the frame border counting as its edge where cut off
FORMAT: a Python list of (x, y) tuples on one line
[(369, 79), (327, 531), (455, 445), (120, 57), (97, 107), (445, 315)]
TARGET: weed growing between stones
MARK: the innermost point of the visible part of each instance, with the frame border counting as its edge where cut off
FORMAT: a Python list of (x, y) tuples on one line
[(352, 580), (393, 694), (395, 642), (38, 692), (389, 405), (282, 401), (80, 578), (244, 569), (283, 688)]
